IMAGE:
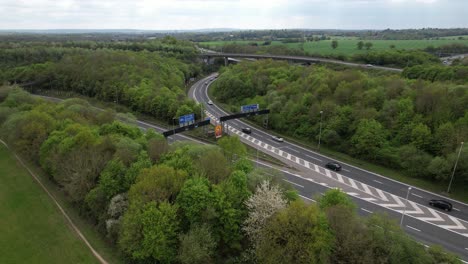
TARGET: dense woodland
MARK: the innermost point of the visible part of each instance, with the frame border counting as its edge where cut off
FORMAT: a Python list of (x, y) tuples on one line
[(414, 126), (191, 203), (149, 77)]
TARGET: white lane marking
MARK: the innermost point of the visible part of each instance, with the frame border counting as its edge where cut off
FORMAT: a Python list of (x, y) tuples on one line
[(353, 183), (457, 225), (346, 170), (293, 150), (340, 178), (328, 173), (382, 195), (378, 181), (324, 184), (365, 210), (466, 248), (307, 198), (293, 183), (369, 199), (353, 193), (417, 195), (366, 189), (456, 209), (313, 158), (413, 228)]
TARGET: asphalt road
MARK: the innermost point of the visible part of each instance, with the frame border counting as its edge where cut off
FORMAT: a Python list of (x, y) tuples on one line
[(426, 232), (199, 92)]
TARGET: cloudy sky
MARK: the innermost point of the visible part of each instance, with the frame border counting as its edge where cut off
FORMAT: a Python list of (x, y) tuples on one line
[(242, 14)]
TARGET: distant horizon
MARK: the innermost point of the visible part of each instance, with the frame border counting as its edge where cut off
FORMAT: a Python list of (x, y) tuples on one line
[(216, 29), (178, 15)]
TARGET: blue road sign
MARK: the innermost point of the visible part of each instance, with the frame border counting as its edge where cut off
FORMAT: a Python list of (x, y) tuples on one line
[(249, 108), (186, 119)]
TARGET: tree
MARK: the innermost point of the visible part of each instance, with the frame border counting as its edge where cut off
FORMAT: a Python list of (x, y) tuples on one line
[(298, 233), (197, 246), (421, 136), (360, 44), (369, 138), (158, 183), (232, 147), (392, 46), (266, 201), (334, 44), (214, 165), (195, 199), (368, 45), (335, 197), (157, 147), (149, 232)]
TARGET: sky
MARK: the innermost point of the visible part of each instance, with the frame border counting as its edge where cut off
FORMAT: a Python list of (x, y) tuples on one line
[(238, 14)]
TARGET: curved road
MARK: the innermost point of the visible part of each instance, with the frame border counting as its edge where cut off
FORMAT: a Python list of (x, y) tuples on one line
[(448, 229)]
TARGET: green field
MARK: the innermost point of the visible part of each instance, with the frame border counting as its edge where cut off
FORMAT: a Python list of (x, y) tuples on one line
[(32, 230), (348, 45)]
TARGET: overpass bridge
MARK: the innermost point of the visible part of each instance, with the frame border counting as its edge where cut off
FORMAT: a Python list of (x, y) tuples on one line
[(227, 56)]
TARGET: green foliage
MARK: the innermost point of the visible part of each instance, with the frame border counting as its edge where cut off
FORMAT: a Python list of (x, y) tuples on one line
[(335, 197), (158, 183), (195, 199), (197, 246), (296, 234), (150, 232), (233, 148), (372, 117)]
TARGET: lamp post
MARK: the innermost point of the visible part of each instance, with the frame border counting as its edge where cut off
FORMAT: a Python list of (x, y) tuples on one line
[(404, 210), (455, 167), (320, 133)]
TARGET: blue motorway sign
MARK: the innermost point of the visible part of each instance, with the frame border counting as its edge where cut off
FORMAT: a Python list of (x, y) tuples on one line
[(249, 108), (186, 119)]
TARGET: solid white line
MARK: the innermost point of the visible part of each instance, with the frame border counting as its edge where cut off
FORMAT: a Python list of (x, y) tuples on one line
[(413, 228), (378, 181), (293, 183), (346, 170), (466, 248), (456, 209), (313, 158), (307, 198), (417, 195), (365, 210)]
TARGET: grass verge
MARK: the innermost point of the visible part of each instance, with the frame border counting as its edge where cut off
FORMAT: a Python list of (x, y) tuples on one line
[(31, 227)]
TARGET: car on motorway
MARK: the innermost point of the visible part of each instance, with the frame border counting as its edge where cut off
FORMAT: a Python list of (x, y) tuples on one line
[(333, 166), (441, 204), (247, 130), (206, 83), (210, 102), (277, 139), (369, 65)]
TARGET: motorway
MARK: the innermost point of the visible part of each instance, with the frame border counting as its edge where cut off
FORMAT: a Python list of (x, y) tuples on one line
[(375, 192), (296, 58), (425, 232)]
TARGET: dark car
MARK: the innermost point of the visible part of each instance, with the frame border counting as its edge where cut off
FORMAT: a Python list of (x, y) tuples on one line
[(247, 130), (441, 204), (333, 166)]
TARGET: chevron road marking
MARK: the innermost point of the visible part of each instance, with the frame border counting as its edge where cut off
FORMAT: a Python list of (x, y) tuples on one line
[(436, 216), (381, 195), (457, 225)]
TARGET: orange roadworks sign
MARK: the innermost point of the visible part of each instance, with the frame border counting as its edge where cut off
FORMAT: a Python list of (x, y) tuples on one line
[(218, 131)]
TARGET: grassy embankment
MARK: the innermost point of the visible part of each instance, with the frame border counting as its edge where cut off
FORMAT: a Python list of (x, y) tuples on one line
[(348, 46), (32, 230)]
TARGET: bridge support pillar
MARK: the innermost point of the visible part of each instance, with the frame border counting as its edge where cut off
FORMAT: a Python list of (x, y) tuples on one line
[(226, 61)]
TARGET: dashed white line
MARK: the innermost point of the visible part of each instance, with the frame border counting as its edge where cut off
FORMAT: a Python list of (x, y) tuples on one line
[(456, 209), (346, 170), (417, 195), (365, 210), (313, 158), (293, 150), (413, 228), (378, 181), (293, 183), (307, 198)]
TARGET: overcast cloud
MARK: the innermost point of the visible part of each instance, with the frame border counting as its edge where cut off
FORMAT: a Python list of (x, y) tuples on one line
[(243, 14)]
